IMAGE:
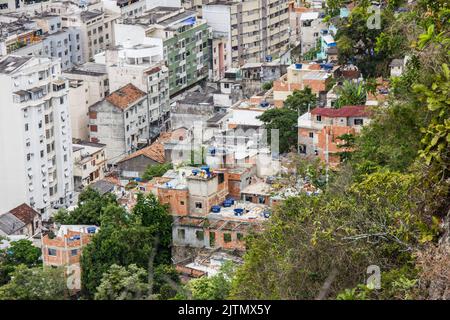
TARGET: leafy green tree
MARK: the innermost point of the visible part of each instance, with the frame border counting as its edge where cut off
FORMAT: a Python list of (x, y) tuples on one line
[(267, 85), (155, 215), (216, 287), (21, 252), (123, 246), (299, 100), (284, 120), (372, 222), (156, 170), (89, 210), (347, 146), (35, 284), (141, 237), (351, 94), (123, 283)]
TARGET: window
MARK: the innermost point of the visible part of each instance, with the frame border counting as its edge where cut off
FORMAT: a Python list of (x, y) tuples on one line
[(181, 234), (73, 252), (319, 118), (198, 205), (200, 235), (261, 200), (212, 239), (227, 237), (358, 122), (181, 203), (26, 126), (51, 252), (240, 236), (311, 135)]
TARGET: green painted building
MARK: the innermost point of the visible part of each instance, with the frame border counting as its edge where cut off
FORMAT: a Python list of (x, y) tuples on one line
[(185, 45)]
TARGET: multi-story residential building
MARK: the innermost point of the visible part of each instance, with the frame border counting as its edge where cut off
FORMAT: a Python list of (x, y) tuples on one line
[(182, 37), (125, 8), (258, 30), (88, 84), (19, 33), (24, 6), (22, 220), (311, 23), (301, 75), (328, 47), (320, 129), (42, 36), (121, 121), (35, 135), (219, 61), (89, 163), (65, 250), (141, 66), (95, 25)]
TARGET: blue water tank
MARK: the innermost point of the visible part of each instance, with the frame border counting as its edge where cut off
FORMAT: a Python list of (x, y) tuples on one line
[(91, 229), (195, 172), (266, 214), (230, 200), (76, 237), (238, 211), (215, 209), (227, 203), (298, 66), (206, 168)]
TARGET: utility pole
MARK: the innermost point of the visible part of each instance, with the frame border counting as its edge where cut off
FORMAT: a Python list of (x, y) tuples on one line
[(326, 157)]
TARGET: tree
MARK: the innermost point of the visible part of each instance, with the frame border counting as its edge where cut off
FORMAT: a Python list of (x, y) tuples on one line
[(372, 222), (347, 146), (284, 120), (156, 170), (35, 284), (351, 94), (131, 244), (155, 215), (123, 283), (267, 85), (216, 287), (141, 237), (21, 252), (89, 210), (300, 100)]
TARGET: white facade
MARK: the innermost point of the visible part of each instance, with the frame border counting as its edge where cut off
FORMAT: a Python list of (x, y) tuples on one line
[(35, 135), (125, 8), (310, 25), (89, 163), (88, 84), (141, 66), (95, 25)]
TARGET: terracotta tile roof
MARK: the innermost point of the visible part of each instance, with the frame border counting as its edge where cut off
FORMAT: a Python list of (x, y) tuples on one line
[(24, 213), (153, 70), (345, 112), (125, 96), (155, 151)]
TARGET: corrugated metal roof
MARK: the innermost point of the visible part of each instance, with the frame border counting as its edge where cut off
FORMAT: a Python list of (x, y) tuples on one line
[(10, 224)]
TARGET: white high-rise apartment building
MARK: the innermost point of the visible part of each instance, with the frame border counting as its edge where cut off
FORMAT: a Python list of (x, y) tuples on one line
[(35, 135)]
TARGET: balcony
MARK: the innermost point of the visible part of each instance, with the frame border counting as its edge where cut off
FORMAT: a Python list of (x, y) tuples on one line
[(59, 85)]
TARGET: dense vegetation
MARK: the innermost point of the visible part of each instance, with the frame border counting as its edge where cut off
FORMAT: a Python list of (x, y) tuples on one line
[(388, 205)]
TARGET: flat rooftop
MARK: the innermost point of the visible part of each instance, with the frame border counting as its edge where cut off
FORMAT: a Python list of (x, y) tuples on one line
[(252, 212)]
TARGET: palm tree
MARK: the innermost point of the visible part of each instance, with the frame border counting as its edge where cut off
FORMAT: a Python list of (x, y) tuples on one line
[(351, 94)]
